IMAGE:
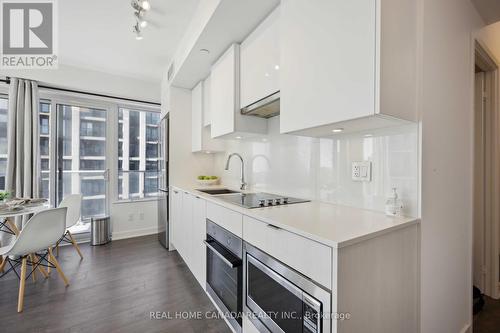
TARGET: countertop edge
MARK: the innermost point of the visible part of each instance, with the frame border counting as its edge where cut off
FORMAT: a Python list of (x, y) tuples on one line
[(328, 242)]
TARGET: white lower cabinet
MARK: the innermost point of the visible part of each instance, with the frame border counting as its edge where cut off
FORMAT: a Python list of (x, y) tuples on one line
[(199, 233), (370, 280), (185, 226), (188, 218), (175, 216)]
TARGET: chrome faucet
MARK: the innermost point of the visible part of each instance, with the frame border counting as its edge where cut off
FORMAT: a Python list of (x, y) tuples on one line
[(243, 185)]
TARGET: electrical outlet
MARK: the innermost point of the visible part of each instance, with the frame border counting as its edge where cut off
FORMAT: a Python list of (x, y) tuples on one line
[(131, 217), (141, 216), (362, 171)]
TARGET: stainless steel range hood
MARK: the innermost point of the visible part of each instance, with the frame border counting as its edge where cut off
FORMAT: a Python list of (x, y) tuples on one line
[(265, 108)]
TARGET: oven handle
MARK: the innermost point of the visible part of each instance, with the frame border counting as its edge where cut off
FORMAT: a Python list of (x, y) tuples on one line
[(227, 258)]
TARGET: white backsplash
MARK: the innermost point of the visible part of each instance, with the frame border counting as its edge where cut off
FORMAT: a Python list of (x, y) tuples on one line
[(320, 169)]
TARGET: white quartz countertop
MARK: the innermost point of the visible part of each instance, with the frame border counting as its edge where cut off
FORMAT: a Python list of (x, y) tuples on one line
[(330, 224)]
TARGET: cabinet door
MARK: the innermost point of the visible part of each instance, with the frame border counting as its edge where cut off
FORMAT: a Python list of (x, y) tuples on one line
[(260, 61), (175, 216), (199, 232), (196, 117), (224, 92), (186, 225), (327, 62), (206, 102)]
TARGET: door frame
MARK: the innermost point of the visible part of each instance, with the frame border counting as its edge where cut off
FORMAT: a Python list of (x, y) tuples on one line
[(489, 186)]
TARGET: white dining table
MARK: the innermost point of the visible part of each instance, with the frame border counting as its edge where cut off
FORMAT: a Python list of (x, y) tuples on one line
[(9, 225), (10, 215)]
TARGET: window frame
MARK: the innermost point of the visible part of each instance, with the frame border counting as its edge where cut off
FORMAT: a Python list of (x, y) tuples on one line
[(139, 107), (4, 91)]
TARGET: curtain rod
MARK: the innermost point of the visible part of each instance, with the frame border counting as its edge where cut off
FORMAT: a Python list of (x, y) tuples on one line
[(7, 80)]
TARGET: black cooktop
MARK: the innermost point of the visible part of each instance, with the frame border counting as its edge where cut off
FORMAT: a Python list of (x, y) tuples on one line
[(258, 200)]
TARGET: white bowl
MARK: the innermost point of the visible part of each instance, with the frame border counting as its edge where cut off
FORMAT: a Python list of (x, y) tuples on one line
[(208, 181)]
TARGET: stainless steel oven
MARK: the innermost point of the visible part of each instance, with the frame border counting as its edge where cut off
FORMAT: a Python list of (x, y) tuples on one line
[(225, 272), (280, 299)]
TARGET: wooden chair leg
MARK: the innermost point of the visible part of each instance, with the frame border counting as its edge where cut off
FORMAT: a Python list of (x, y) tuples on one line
[(33, 269), (48, 259), (2, 264), (40, 268), (75, 245), (54, 261), (22, 282)]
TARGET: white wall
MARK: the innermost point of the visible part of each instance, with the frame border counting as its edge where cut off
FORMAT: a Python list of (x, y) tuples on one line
[(92, 81), (184, 165), (320, 169), (132, 219), (445, 102)]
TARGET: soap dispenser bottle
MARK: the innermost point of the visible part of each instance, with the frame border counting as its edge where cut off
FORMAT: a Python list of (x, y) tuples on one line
[(393, 205)]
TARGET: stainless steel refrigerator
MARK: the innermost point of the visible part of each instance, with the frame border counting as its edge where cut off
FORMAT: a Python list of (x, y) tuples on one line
[(163, 183)]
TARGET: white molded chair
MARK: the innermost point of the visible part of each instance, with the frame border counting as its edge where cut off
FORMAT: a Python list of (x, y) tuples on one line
[(74, 204), (34, 245)]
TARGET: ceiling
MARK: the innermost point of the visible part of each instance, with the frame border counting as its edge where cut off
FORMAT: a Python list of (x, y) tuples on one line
[(488, 9), (97, 35)]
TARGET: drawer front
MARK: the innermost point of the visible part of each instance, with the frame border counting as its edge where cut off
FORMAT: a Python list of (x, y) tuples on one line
[(310, 258), (226, 218)]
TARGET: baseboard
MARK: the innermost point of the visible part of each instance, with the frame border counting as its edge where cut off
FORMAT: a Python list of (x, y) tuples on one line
[(467, 329), (134, 233)]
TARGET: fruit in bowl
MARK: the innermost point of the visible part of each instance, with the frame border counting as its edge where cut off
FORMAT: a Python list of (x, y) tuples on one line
[(208, 180)]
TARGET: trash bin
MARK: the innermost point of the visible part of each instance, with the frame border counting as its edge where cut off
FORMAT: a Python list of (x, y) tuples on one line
[(100, 230)]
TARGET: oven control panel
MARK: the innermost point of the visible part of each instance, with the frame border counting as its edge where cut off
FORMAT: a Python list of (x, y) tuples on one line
[(312, 314)]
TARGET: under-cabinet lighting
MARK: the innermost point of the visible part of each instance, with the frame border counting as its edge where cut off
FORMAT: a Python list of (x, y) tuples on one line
[(337, 130)]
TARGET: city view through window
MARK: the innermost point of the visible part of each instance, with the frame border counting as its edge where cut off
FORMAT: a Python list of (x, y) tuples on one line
[(73, 154)]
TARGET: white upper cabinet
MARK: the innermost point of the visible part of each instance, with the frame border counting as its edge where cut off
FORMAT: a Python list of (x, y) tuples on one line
[(346, 65), (260, 61), (226, 119), (196, 118), (206, 102), (201, 140)]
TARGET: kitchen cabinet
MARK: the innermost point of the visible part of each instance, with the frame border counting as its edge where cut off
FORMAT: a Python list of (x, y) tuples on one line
[(378, 270), (260, 59), (226, 119), (185, 227), (175, 216), (347, 65), (201, 140), (206, 102), (199, 234), (188, 218)]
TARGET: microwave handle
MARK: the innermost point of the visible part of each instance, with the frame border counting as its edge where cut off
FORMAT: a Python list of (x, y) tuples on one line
[(228, 259)]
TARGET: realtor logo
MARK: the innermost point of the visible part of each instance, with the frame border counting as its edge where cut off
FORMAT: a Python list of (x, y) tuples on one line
[(28, 34)]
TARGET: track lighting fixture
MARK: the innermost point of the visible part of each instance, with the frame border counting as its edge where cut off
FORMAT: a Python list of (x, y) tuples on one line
[(140, 7), (137, 31)]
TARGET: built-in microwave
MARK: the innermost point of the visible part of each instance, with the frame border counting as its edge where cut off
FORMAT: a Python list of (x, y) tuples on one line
[(280, 299)]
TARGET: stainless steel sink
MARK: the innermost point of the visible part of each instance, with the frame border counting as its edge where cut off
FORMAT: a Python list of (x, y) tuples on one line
[(218, 191)]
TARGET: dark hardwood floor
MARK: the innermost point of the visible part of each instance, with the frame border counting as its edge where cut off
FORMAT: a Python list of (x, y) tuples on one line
[(114, 289), (488, 320)]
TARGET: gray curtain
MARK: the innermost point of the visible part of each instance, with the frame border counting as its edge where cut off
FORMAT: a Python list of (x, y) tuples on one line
[(23, 154)]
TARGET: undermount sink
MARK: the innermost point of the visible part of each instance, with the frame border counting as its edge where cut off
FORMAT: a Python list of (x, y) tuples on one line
[(218, 191)]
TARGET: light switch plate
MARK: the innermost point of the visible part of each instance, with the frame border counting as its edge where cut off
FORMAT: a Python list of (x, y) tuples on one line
[(362, 171)]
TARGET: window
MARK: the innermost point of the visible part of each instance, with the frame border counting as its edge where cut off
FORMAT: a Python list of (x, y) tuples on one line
[(4, 103), (44, 144), (45, 114), (82, 140), (137, 153)]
